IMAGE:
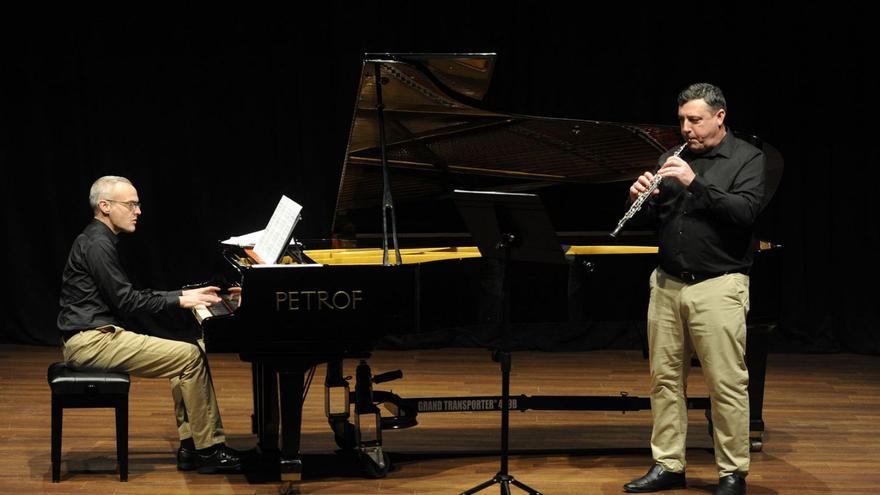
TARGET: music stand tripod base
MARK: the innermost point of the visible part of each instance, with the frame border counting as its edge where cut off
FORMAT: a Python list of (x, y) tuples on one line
[(505, 480)]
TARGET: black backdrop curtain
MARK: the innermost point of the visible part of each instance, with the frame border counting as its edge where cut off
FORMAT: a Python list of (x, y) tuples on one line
[(214, 120)]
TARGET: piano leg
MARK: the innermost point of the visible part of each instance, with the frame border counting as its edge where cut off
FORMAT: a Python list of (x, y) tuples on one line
[(266, 403), (264, 464), (255, 380), (274, 388), (756, 361), (291, 398)]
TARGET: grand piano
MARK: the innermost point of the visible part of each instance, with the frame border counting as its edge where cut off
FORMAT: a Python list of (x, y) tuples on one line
[(419, 132)]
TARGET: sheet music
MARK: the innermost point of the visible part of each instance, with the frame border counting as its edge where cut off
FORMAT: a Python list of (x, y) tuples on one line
[(248, 240), (279, 231), (244, 240)]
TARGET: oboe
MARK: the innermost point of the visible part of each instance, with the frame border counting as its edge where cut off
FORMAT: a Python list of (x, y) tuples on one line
[(637, 204)]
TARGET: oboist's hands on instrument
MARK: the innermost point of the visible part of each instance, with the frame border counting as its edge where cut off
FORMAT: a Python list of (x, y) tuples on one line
[(641, 185), (678, 169), (203, 296), (674, 167)]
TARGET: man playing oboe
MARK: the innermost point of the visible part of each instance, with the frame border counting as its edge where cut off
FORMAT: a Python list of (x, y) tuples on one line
[(705, 209)]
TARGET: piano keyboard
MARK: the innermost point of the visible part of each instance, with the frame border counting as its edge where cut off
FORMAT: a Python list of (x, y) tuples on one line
[(226, 306)]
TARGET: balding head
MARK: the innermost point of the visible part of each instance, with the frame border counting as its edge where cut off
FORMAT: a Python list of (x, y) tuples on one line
[(116, 203), (103, 188)]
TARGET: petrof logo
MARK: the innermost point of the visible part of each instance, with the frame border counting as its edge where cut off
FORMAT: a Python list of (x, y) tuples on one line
[(318, 300)]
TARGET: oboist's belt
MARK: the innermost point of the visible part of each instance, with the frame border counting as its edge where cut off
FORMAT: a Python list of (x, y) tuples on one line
[(695, 278), (65, 336)]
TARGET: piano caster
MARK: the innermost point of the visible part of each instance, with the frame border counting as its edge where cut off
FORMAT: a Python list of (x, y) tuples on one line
[(291, 469), (374, 462), (288, 488), (291, 475), (363, 439), (756, 444)]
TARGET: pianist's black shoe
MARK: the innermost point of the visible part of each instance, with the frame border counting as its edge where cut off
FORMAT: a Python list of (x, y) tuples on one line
[(732, 484), (187, 459), (655, 480), (187, 456), (221, 459)]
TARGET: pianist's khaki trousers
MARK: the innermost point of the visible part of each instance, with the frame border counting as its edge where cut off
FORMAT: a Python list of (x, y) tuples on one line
[(709, 319), (116, 349)]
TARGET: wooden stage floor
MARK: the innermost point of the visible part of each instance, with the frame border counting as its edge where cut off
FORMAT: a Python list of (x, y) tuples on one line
[(822, 414)]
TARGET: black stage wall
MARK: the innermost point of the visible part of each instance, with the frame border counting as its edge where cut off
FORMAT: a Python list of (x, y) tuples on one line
[(214, 119)]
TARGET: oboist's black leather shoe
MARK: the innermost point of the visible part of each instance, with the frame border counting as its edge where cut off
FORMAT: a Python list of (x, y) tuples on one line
[(655, 480), (187, 459), (221, 460), (732, 484)]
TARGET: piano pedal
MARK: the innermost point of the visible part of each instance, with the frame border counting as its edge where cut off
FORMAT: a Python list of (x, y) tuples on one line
[(370, 462)]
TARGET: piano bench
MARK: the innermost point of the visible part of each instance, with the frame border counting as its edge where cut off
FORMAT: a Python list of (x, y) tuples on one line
[(88, 388)]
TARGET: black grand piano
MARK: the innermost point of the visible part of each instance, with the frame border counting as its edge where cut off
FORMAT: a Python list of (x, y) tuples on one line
[(420, 116)]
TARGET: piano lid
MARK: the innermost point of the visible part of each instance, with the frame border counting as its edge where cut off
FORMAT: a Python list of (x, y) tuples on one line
[(438, 138)]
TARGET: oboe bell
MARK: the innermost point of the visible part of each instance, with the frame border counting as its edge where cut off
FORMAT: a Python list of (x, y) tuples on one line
[(637, 204)]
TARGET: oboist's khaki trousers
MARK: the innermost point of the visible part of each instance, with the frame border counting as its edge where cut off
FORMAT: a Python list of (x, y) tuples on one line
[(707, 318), (115, 349)]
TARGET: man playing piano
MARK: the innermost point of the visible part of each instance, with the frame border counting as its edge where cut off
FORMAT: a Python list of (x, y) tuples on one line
[(96, 294), (706, 206)]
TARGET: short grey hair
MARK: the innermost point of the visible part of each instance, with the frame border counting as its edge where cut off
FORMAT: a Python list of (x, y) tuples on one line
[(709, 93), (101, 187)]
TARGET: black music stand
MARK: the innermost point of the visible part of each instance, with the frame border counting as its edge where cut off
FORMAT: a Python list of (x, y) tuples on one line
[(508, 227)]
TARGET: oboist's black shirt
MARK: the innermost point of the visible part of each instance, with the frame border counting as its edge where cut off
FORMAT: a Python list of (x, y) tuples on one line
[(95, 291), (706, 228)]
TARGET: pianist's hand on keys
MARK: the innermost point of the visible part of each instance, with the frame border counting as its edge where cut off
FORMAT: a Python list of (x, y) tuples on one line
[(203, 296), (226, 304)]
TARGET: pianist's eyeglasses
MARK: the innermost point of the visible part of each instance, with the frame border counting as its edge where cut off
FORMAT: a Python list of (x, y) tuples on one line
[(131, 205)]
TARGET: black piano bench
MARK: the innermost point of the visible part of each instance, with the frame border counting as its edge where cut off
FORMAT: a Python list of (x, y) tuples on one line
[(87, 388)]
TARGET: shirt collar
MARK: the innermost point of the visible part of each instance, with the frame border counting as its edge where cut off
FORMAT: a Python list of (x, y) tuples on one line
[(724, 148)]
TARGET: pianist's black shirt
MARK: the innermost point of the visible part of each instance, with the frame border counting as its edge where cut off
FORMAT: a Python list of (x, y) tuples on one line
[(706, 228), (95, 290)]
